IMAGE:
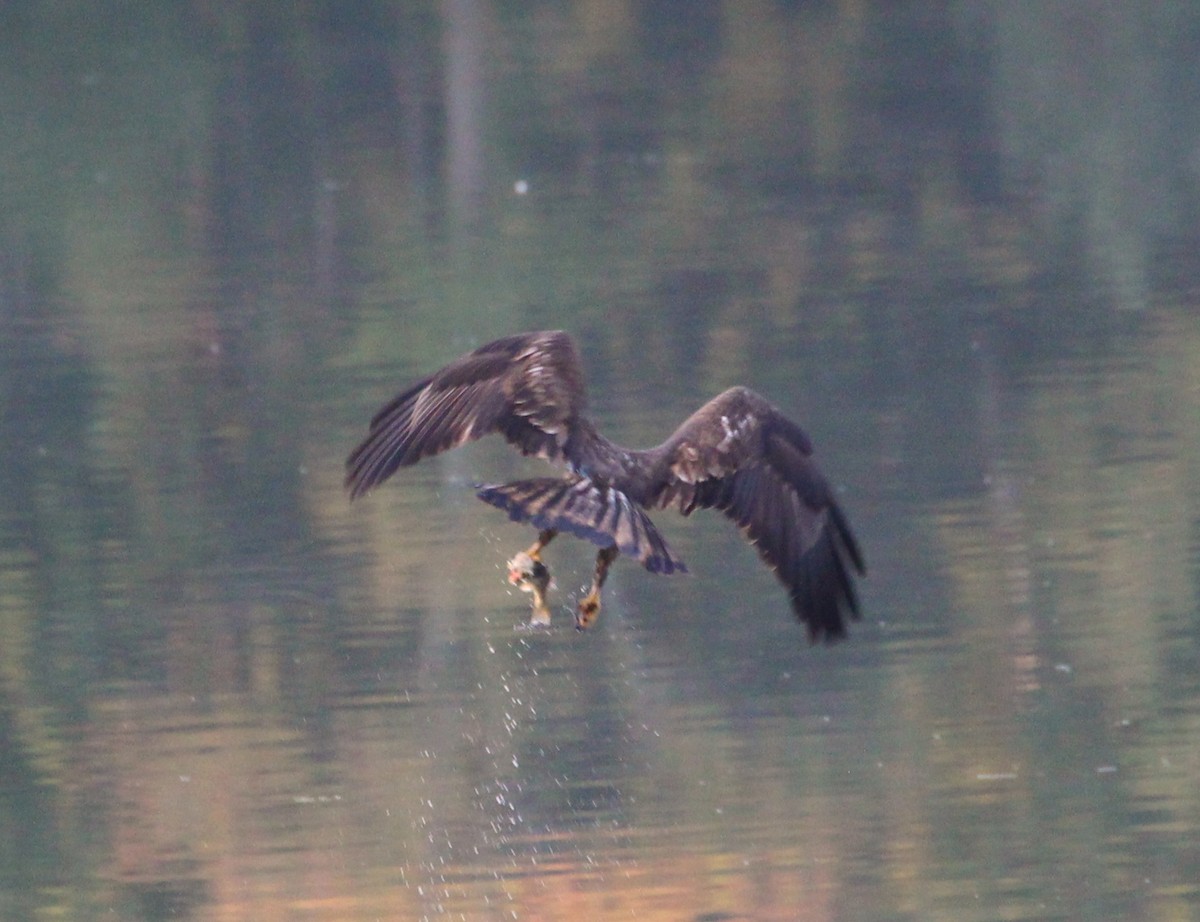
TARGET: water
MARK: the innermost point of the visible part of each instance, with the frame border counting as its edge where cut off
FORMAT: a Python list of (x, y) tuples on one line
[(228, 693)]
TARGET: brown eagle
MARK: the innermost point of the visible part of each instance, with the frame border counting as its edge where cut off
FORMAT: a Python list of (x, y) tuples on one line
[(737, 453)]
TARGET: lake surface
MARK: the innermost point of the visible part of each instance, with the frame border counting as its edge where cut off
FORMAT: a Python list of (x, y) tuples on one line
[(958, 247)]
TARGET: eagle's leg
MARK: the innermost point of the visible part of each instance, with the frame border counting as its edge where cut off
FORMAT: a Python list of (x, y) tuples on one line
[(527, 572), (543, 538), (589, 605)]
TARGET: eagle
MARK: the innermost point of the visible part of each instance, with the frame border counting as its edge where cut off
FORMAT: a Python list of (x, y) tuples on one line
[(738, 454)]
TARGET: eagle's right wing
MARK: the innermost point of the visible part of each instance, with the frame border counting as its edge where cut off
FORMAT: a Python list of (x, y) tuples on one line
[(740, 455)]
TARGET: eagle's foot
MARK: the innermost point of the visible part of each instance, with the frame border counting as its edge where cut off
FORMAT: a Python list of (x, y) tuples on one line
[(588, 611), (589, 605)]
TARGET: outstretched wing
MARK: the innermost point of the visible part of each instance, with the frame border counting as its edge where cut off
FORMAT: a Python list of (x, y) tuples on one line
[(527, 387), (739, 454)]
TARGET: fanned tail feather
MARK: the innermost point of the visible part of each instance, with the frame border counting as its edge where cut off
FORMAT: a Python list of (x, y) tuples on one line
[(601, 515)]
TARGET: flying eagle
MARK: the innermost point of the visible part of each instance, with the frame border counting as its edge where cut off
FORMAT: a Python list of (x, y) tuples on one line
[(737, 453)]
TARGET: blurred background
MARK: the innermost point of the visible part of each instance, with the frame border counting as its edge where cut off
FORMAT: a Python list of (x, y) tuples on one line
[(957, 241)]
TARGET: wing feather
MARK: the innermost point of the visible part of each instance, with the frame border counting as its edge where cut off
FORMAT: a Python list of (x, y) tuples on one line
[(528, 387), (742, 456)]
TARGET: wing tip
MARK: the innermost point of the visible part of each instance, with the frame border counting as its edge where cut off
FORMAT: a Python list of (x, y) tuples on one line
[(822, 591)]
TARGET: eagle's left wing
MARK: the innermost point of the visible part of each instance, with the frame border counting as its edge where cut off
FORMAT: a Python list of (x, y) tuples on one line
[(527, 387)]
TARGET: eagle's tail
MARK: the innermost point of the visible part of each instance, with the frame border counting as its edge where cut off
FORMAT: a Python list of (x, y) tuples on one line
[(602, 515)]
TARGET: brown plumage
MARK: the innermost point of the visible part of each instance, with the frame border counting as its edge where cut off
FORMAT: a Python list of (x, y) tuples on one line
[(737, 453)]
